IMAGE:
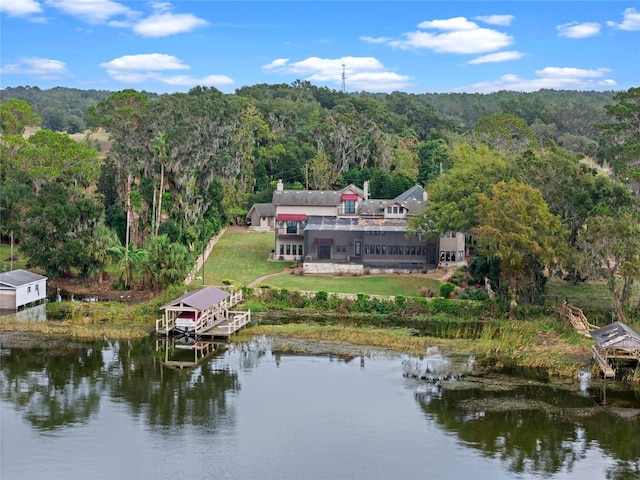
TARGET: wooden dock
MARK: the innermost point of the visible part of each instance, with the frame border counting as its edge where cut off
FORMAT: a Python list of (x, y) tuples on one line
[(603, 362), (227, 327)]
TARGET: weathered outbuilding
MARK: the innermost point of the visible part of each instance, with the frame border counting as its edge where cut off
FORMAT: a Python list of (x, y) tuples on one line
[(21, 287), (617, 342)]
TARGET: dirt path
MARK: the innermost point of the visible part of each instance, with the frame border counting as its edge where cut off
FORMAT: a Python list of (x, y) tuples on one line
[(261, 279)]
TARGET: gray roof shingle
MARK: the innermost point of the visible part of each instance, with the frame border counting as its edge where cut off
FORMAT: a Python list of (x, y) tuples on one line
[(17, 278), (200, 299)]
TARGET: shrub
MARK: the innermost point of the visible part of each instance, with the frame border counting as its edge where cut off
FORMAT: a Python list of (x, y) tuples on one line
[(426, 292), (447, 289), (475, 294)]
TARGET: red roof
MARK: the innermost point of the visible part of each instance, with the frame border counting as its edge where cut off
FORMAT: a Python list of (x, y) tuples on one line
[(297, 217), (349, 196)]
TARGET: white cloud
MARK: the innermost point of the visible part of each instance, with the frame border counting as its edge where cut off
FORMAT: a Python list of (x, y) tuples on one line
[(165, 24), (564, 78), (451, 24), (361, 73), (44, 68), (375, 40), (578, 30), (278, 62), (568, 72), (161, 23), (145, 67), (94, 12), (20, 8), (145, 61), (502, 20), (497, 57), (459, 36), (630, 20)]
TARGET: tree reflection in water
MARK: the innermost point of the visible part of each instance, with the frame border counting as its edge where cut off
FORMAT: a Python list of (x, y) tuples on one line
[(59, 384), (54, 384), (533, 427)]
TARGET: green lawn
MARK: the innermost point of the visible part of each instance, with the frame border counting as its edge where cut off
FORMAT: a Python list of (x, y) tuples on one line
[(407, 285), (585, 295), (241, 257), (5, 255)]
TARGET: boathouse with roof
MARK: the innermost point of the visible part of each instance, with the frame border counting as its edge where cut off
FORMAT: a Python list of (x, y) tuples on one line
[(203, 313), (21, 287)]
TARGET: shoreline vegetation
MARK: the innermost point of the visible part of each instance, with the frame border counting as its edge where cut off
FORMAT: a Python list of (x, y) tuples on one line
[(542, 343), (539, 340)]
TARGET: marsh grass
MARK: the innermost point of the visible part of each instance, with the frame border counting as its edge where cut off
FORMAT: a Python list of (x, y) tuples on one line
[(542, 343), (75, 328), (393, 339)]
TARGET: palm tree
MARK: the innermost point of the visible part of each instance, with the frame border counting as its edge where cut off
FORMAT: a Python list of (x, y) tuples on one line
[(129, 260), (168, 262), (103, 239)]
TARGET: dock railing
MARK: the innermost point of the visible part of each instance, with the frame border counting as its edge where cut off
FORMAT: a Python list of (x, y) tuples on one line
[(237, 320), (164, 324)]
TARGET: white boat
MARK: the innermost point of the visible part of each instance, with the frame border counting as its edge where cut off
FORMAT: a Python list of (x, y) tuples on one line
[(189, 322)]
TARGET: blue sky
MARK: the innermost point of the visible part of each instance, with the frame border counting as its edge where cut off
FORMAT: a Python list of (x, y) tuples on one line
[(380, 46)]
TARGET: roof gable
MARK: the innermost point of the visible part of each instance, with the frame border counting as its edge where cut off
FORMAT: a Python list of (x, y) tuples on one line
[(306, 197), (18, 278), (617, 335), (263, 209), (200, 299)]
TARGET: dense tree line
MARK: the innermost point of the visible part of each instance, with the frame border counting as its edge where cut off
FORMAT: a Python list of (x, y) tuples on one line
[(498, 167)]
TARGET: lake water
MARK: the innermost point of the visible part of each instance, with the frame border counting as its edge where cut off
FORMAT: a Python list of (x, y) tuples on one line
[(105, 410)]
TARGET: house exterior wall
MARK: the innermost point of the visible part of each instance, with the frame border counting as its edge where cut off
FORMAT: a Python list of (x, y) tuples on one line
[(384, 250), (451, 251), (259, 223), (342, 237), (32, 292), (321, 210), (7, 299)]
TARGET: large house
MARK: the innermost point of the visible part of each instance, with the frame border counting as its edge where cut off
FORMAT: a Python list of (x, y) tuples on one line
[(345, 230)]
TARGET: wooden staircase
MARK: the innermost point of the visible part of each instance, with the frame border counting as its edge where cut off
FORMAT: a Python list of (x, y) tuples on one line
[(576, 317)]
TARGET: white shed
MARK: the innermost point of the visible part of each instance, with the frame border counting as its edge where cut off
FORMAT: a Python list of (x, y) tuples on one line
[(21, 287)]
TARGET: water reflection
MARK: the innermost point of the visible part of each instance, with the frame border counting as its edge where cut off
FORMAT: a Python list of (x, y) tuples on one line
[(217, 392), (55, 384), (531, 426), (169, 397)]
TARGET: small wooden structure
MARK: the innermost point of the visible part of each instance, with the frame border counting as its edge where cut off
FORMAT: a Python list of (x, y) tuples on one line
[(21, 287), (212, 306), (576, 317), (615, 342)]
